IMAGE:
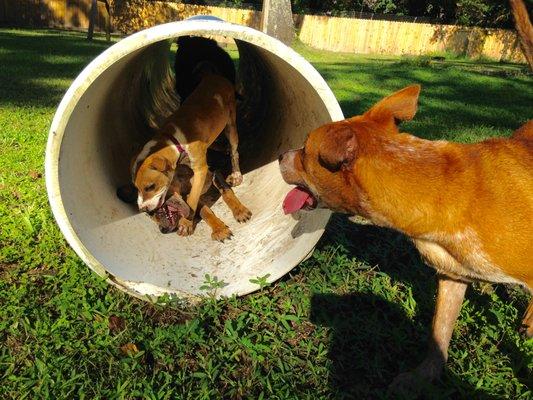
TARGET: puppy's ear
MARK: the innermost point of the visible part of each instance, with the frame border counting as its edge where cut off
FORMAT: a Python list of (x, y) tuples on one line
[(160, 164), (338, 150), (401, 105)]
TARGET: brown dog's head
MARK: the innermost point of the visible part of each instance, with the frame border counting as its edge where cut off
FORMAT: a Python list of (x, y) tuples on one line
[(322, 170), (152, 172), (168, 215)]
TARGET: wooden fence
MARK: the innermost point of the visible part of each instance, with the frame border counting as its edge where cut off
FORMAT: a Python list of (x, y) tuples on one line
[(392, 37), (50, 13), (365, 36)]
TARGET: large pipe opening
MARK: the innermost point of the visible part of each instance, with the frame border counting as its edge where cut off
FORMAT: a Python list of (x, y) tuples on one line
[(93, 137)]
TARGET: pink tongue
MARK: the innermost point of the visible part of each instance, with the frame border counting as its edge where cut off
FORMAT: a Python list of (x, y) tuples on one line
[(297, 199)]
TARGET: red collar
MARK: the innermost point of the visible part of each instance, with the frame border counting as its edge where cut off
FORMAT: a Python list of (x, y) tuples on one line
[(178, 145)]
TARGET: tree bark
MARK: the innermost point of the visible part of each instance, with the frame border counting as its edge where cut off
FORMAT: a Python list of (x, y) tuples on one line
[(524, 29), (107, 20), (277, 20), (92, 19)]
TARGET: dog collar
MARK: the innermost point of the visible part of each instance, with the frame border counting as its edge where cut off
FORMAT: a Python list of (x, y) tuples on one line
[(178, 145)]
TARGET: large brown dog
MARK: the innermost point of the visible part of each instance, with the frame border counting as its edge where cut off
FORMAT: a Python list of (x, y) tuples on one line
[(467, 207)]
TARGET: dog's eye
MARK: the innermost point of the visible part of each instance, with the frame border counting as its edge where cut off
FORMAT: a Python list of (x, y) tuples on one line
[(149, 188)]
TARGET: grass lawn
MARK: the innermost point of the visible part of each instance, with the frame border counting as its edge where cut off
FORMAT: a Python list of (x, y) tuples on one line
[(340, 325)]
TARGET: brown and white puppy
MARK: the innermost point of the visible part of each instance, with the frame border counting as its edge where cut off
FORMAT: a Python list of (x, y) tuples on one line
[(208, 111), (175, 207), (467, 207)]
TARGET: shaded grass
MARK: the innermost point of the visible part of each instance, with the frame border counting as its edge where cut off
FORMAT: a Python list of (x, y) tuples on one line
[(340, 325)]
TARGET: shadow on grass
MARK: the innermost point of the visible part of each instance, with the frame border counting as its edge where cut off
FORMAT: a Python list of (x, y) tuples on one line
[(372, 339), (36, 70)]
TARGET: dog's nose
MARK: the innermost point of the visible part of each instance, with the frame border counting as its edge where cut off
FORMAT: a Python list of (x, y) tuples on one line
[(280, 158), (163, 229)]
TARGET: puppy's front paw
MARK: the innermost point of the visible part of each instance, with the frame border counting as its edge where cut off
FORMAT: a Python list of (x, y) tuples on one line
[(234, 179), (221, 233), (185, 227), (242, 214)]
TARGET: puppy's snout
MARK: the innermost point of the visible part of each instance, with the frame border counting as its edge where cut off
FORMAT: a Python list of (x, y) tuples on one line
[(164, 229), (280, 158)]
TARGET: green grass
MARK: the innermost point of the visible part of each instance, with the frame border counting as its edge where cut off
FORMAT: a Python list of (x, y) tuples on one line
[(340, 325)]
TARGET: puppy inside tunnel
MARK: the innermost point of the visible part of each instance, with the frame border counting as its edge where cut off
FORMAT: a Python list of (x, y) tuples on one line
[(102, 121)]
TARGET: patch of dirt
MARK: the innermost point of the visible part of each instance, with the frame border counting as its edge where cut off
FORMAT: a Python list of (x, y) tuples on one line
[(166, 316), (230, 313), (116, 324), (35, 175), (5, 269), (303, 331), (13, 344)]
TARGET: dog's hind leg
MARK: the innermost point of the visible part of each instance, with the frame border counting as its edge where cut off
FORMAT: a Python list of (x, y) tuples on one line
[(219, 230), (199, 167), (235, 178), (527, 321), (450, 297), (239, 211)]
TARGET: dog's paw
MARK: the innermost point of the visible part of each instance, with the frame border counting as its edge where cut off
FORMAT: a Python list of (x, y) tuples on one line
[(412, 383), (242, 214), (221, 233), (234, 179), (185, 227), (405, 384)]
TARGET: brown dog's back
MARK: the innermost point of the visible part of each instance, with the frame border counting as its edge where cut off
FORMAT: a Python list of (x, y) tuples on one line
[(205, 113), (474, 200)]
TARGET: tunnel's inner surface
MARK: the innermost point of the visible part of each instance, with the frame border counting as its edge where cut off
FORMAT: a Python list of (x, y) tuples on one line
[(280, 106)]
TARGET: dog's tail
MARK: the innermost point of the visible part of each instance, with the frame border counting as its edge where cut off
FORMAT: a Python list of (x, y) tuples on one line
[(155, 84)]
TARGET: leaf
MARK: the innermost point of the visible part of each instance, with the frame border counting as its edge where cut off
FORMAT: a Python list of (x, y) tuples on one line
[(116, 324), (129, 349)]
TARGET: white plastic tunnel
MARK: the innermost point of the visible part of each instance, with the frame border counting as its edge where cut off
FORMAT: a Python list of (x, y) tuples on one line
[(94, 135)]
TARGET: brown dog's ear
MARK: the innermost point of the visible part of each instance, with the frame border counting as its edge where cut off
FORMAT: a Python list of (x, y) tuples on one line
[(160, 164), (338, 150), (400, 105)]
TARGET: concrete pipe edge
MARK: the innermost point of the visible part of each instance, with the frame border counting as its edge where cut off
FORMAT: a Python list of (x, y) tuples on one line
[(141, 39)]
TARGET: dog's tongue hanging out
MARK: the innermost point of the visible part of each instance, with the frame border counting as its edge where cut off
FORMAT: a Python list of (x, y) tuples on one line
[(297, 199)]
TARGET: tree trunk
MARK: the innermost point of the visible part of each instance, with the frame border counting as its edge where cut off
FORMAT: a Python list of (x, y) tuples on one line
[(524, 29), (107, 20), (92, 19), (277, 20)]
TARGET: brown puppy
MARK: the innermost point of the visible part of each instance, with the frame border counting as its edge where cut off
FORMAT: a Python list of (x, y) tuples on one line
[(467, 207), (191, 129), (175, 207)]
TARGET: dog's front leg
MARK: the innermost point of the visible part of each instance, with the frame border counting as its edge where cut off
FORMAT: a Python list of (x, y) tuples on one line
[(450, 295), (235, 178), (219, 230), (240, 212), (199, 167), (527, 321)]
